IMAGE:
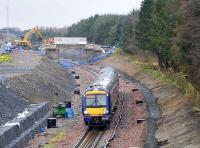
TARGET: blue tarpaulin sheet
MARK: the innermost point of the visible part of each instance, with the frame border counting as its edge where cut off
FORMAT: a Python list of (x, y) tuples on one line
[(67, 63), (69, 113), (95, 59)]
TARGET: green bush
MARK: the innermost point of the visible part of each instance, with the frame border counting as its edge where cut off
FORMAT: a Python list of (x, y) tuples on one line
[(118, 51), (177, 79), (6, 58)]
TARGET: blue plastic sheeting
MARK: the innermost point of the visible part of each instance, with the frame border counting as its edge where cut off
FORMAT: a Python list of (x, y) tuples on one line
[(7, 48), (66, 63), (81, 62), (93, 60), (42, 130), (69, 113), (2, 78)]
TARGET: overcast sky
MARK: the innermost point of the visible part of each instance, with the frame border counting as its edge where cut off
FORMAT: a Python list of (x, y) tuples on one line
[(26, 14)]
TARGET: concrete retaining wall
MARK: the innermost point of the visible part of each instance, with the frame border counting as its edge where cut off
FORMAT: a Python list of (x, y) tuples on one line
[(17, 137)]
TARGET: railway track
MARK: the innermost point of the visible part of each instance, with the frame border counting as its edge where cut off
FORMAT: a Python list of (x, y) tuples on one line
[(92, 136), (90, 70), (90, 139)]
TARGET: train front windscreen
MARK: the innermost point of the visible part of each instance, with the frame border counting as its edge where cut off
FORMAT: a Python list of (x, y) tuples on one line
[(95, 101)]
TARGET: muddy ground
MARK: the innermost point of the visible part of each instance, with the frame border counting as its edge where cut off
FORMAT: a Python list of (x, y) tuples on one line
[(179, 125)]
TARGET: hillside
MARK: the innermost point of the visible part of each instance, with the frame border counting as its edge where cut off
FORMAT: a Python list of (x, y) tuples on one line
[(178, 125), (173, 34)]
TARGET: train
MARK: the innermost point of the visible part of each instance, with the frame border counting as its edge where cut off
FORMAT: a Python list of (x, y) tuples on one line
[(100, 98)]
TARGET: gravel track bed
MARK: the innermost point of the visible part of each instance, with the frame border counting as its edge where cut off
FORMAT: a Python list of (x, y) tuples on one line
[(129, 133), (76, 132)]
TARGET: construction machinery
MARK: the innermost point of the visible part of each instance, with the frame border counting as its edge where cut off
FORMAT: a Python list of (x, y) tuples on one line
[(26, 40)]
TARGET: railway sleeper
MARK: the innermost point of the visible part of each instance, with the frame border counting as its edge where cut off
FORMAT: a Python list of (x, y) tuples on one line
[(76, 77), (139, 121), (77, 92), (139, 102), (73, 72), (134, 89), (77, 85)]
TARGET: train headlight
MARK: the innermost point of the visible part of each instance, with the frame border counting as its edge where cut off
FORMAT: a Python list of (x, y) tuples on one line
[(105, 118), (85, 112), (106, 112)]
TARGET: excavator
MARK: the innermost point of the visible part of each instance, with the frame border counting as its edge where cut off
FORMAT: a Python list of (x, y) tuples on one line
[(26, 40)]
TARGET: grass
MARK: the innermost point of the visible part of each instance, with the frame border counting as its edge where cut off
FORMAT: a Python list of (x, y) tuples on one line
[(118, 51), (177, 79), (55, 139), (6, 58)]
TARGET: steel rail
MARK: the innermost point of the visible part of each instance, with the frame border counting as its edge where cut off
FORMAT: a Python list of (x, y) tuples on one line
[(94, 72), (90, 139)]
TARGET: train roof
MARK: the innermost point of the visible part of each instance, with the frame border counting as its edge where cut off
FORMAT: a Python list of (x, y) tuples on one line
[(106, 80)]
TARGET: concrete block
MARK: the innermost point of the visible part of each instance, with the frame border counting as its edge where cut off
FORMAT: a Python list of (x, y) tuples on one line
[(33, 119)]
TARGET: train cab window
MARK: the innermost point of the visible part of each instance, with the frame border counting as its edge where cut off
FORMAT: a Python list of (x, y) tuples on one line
[(101, 100), (90, 101), (95, 100)]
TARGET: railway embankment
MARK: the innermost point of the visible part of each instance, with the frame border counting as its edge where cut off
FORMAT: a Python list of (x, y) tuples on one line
[(10, 104), (45, 81), (178, 124)]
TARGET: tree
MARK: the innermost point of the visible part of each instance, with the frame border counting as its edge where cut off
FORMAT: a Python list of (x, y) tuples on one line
[(126, 33), (155, 29)]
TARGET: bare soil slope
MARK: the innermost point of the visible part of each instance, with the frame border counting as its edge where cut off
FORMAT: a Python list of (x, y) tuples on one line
[(47, 82), (179, 124)]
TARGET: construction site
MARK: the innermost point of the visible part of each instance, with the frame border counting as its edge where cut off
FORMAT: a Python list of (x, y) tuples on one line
[(109, 80), (36, 86)]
